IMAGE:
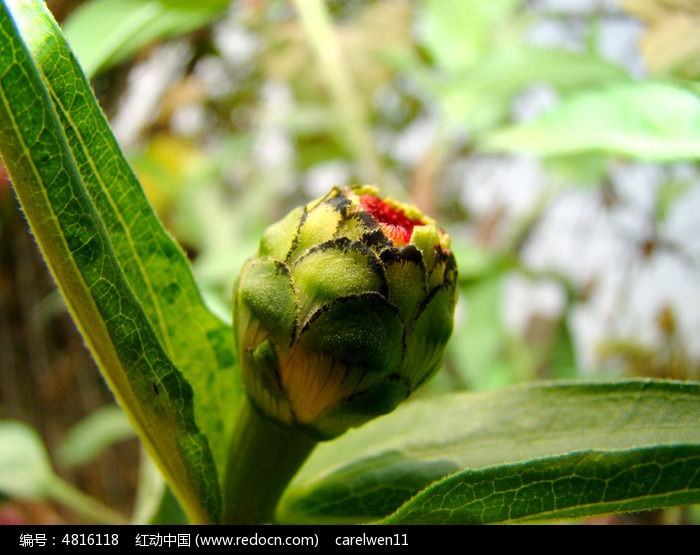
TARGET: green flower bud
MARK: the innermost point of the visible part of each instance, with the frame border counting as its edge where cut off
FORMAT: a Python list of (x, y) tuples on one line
[(344, 312)]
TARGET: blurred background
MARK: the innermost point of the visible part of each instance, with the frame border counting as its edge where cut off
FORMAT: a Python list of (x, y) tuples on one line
[(556, 141)]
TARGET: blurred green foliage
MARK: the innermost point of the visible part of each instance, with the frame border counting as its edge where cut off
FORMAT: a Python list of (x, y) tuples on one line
[(280, 100), (266, 104)]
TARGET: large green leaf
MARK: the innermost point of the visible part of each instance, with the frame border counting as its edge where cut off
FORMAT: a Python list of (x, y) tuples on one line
[(168, 360), (106, 32), (651, 121), (536, 451), (566, 486)]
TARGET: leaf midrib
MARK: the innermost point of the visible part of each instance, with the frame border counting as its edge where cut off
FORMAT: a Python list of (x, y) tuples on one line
[(164, 334)]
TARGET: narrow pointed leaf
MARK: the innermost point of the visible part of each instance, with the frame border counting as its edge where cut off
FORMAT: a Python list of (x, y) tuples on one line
[(167, 358), (156, 269), (536, 451)]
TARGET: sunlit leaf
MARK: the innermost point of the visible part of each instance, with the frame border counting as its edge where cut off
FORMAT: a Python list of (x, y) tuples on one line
[(650, 121), (106, 32)]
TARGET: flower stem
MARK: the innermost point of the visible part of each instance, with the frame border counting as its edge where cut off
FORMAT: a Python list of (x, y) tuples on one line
[(264, 457), (349, 107), (84, 505)]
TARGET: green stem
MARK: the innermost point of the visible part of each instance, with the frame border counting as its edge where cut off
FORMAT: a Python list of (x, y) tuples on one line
[(349, 108), (84, 505), (263, 459)]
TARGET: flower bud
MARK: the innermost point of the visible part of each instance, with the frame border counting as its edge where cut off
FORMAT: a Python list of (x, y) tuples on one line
[(345, 310)]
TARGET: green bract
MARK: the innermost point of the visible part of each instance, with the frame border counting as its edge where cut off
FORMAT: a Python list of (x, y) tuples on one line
[(345, 311)]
